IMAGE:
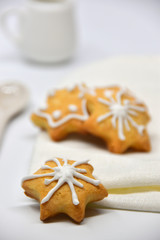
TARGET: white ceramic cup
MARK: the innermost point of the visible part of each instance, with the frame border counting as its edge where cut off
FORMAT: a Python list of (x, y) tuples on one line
[(46, 30)]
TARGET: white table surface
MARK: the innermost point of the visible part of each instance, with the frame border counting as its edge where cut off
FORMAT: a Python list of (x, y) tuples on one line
[(106, 28)]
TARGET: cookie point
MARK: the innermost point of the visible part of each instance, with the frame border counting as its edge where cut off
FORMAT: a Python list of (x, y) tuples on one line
[(75, 202), (43, 201), (46, 181), (97, 182)]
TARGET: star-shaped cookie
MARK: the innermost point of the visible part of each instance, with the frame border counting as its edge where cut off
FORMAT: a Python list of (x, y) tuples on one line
[(64, 186), (119, 118), (65, 112)]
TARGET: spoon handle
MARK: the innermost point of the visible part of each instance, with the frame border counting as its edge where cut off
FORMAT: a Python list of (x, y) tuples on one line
[(3, 123)]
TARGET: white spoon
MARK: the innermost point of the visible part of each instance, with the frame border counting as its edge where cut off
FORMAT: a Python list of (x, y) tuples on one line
[(14, 98)]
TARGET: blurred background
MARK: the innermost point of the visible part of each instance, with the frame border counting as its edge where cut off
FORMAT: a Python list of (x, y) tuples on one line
[(105, 28)]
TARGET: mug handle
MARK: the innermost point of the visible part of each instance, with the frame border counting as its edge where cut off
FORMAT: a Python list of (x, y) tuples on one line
[(18, 13)]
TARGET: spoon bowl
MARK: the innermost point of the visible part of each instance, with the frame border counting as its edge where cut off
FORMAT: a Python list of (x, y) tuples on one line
[(14, 98)]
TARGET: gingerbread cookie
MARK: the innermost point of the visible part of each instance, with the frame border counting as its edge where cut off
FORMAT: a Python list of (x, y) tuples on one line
[(63, 186), (65, 112), (118, 118)]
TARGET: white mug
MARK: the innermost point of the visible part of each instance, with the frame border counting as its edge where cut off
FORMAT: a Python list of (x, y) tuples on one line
[(46, 29)]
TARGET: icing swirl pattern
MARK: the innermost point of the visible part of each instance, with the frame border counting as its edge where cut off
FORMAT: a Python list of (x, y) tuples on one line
[(56, 115), (121, 111), (64, 174)]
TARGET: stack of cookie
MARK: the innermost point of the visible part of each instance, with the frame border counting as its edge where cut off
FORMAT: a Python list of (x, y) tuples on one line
[(110, 113)]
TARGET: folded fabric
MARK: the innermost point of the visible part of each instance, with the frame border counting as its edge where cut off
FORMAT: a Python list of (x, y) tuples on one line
[(132, 180)]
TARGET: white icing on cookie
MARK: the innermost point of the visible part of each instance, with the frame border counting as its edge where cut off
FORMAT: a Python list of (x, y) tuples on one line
[(122, 112), (57, 114), (72, 108), (70, 116), (108, 93), (64, 174), (84, 89)]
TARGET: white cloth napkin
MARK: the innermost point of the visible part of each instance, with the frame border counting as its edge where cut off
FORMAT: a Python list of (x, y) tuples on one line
[(118, 173), (133, 174)]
